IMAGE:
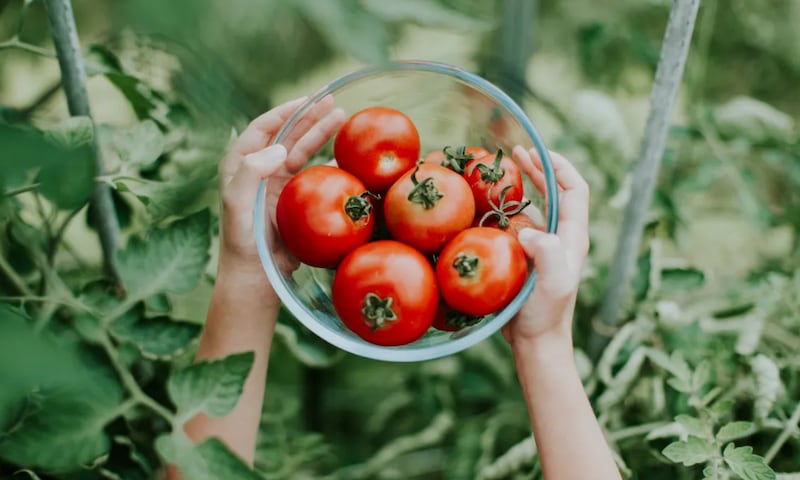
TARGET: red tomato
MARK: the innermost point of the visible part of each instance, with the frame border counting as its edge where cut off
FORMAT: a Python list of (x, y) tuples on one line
[(481, 270), (489, 177), (428, 206), (449, 320), (377, 145), (455, 158), (512, 224), (323, 213), (386, 293)]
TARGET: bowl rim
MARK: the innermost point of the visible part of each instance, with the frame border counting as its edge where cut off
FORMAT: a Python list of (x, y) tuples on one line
[(404, 353)]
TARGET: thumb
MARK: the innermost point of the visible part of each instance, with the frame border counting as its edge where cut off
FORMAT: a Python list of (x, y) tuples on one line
[(549, 260), (242, 189)]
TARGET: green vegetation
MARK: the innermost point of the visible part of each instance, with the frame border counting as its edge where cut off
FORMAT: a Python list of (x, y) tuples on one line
[(702, 380)]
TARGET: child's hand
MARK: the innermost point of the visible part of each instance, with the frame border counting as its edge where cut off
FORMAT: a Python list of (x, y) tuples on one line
[(251, 160), (558, 258)]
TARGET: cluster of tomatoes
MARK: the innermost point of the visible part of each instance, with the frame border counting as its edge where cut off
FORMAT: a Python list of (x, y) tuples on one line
[(415, 243)]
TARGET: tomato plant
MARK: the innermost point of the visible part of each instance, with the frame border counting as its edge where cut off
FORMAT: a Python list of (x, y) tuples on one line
[(377, 145), (489, 177), (481, 270), (449, 320), (428, 206), (386, 293), (323, 213), (512, 224)]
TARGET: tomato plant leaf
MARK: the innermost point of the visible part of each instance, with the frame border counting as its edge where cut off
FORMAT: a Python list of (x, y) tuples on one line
[(675, 280), (693, 425), (735, 431), (746, 464), (690, 452), (158, 338), (423, 12), (72, 132), (210, 460), (212, 387), (140, 145), (170, 259)]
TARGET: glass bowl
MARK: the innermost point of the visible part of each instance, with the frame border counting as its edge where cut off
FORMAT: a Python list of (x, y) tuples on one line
[(449, 106)]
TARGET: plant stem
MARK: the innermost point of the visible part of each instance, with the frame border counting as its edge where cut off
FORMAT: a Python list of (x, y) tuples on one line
[(73, 75), (14, 277), (130, 383), (20, 190), (791, 424), (674, 51), (16, 44), (634, 431)]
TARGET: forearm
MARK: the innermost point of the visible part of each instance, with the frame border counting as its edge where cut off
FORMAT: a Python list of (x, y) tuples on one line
[(570, 442), (241, 318)]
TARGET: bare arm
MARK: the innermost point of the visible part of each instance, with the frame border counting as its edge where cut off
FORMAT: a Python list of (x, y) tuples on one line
[(569, 439)]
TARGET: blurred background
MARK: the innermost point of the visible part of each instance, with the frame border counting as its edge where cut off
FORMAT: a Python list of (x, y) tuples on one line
[(712, 327)]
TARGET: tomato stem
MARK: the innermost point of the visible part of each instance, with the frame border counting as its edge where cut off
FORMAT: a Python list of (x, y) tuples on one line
[(460, 320), (358, 206), (504, 210), (377, 311), (493, 173), (466, 265), (424, 192), (456, 161)]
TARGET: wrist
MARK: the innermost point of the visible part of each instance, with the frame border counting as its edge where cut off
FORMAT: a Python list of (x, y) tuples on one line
[(555, 341), (244, 277)]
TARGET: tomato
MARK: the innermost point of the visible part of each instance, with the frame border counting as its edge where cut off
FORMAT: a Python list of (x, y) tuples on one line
[(386, 293), (489, 177), (455, 158), (428, 206), (512, 224), (449, 320), (377, 145), (323, 213), (481, 270)]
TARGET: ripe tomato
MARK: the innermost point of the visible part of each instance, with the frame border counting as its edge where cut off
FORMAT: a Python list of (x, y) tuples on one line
[(377, 145), (323, 213), (386, 293), (428, 206), (454, 158), (481, 270), (489, 177), (512, 224), (449, 320)]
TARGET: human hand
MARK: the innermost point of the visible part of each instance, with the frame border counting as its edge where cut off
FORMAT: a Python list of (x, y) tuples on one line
[(249, 161), (558, 258)]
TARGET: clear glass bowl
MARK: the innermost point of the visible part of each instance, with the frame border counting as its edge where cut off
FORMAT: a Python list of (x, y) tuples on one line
[(449, 106)]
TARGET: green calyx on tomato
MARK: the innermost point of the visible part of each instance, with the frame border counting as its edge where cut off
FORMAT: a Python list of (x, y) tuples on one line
[(465, 264), (358, 206), (503, 210), (377, 311), (457, 160), (460, 320), (424, 192), (490, 173)]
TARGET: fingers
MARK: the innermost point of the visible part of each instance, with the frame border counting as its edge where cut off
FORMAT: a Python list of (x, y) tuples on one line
[(314, 139), (308, 121), (523, 159), (240, 193), (259, 132), (550, 261)]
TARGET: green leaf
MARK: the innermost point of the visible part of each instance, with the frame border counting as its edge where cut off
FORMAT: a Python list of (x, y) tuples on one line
[(158, 338), (59, 400), (746, 464), (423, 12), (29, 473), (211, 460), (64, 176), (735, 431), (171, 259), (690, 452), (675, 280), (759, 122), (305, 346), (73, 132), (140, 145), (212, 387), (694, 426), (348, 28)]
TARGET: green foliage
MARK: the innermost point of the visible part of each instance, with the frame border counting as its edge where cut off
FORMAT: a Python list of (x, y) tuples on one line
[(97, 377)]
